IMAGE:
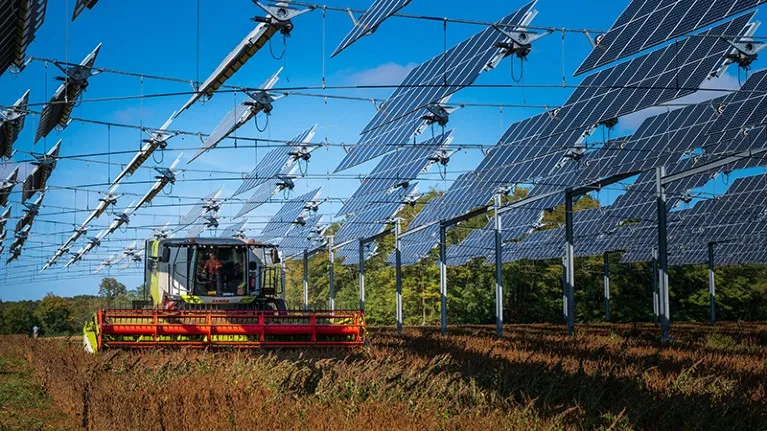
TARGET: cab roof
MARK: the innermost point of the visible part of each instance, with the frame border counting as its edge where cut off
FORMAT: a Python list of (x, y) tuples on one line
[(210, 242)]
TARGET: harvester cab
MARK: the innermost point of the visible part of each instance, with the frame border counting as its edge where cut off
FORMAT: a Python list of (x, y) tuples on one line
[(218, 293), (214, 273)]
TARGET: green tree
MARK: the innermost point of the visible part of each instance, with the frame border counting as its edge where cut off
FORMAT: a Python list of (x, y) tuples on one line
[(111, 289), (17, 317), (54, 313)]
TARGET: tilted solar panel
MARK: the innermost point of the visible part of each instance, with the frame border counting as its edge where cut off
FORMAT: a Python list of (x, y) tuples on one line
[(19, 21), (288, 216), (648, 23), (648, 80), (368, 23)]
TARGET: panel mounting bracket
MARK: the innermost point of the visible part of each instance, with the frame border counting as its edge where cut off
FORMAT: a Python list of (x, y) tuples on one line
[(521, 41), (280, 15)]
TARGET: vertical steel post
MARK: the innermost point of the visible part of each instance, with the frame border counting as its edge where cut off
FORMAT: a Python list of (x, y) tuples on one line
[(306, 280), (564, 289), (607, 285), (711, 283), (398, 271), (362, 275), (498, 270), (443, 278), (331, 274), (664, 308), (570, 256), (655, 299)]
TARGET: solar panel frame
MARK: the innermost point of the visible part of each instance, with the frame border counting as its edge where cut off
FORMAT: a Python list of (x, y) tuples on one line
[(287, 216), (11, 124), (19, 22)]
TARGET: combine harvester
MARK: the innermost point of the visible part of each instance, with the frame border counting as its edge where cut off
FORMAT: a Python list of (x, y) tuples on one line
[(218, 293)]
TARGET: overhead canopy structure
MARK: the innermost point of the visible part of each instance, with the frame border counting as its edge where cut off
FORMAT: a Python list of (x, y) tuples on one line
[(209, 204), (235, 230), (368, 23), (19, 22), (645, 24), (420, 98), (258, 101), (38, 178), (278, 19), (11, 124), (167, 176), (265, 191), (302, 237), (31, 211)]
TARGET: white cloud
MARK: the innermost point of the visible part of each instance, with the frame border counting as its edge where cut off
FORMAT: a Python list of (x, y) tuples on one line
[(726, 83), (385, 74)]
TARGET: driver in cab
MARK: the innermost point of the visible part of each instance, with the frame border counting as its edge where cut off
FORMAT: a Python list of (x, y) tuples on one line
[(212, 268)]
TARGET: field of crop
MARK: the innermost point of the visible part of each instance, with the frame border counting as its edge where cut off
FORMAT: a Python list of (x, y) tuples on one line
[(608, 376)]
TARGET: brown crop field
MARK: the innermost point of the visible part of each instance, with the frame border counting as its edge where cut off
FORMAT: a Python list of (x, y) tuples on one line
[(608, 376)]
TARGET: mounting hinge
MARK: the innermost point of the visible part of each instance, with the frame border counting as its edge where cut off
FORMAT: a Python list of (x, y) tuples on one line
[(280, 15)]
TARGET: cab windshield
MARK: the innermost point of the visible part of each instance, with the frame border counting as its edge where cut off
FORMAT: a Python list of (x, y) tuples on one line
[(220, 271)]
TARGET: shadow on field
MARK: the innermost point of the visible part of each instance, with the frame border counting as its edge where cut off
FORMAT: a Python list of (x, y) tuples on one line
[(536, 365)]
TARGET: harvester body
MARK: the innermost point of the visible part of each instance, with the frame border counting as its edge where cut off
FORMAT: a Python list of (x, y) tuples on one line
[(218, 293)]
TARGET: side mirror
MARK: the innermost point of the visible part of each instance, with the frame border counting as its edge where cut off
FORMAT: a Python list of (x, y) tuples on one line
[(165, 255), (252, 266), (275, 256)]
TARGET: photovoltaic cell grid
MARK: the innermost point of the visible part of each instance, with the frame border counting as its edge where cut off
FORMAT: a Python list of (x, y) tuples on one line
[(417, 246), (351, 253), (198, 209), (743, 110), (430, 82), (287, 216), (80, 6), (648, 23), (402, 166), (19, 21), (11, 124), (274, 161), (233, 230), (368, 23), (660, 76)]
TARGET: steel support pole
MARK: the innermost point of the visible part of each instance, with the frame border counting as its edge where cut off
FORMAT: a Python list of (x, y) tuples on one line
[(564, 289), (331, 274), (655, 299), (306, 280), (362, 275), (606, 258), (711, 282), (398, 272), (498, 270), (570, 256), (664, 308), (443, 278)]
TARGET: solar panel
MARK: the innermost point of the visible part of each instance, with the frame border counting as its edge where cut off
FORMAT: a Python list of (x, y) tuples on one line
[(11, 124), (57, 111), (167, 176), (6, 188), (350, 254), (5, 217), (648, 23), (301, 237), (648, 80), (19, 21), (236, 230), (38, 178), (374, 219), (31, 211), (209, 203), (157, 139), (278, 159), (80, 6), (289, 215), (446, 73), (417, 246), (109, 199), (264, 192), (278, 19), (368, 23), (397, 169), (259, 101)]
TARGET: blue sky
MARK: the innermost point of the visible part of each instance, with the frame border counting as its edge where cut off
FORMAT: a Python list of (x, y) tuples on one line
[(160, 38)]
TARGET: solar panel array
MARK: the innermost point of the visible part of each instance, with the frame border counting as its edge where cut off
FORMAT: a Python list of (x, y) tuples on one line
[(431, 82), (288, 216), (648, 23), (302, 237), (374, 219), (11, 124), (264, 192), (278, 159), (648, 80), (368, 23)]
